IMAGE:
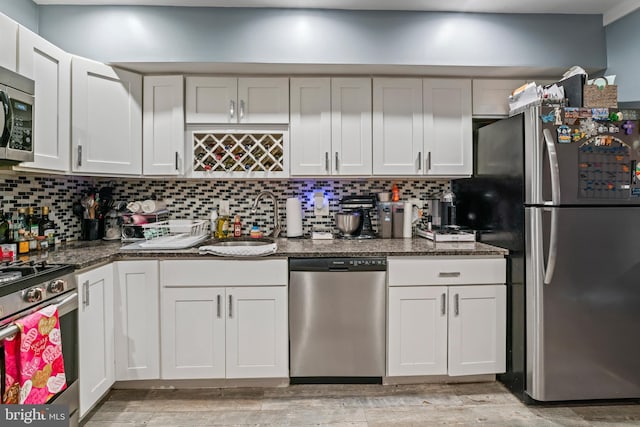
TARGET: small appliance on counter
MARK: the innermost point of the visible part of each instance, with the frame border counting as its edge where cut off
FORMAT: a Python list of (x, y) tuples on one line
[(352, 207), (442, 209), (448, 234)]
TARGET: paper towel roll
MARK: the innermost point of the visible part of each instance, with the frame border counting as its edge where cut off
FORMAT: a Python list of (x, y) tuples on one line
[(407, 219), (134, 207), (294, 217), (149, 206)]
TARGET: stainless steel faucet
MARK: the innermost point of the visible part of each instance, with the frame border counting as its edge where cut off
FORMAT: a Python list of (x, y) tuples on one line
[(276, 216)]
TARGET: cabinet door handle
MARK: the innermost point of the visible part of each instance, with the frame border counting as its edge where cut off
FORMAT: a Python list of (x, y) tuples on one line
[(456, 304), (420, 161), (177, 160), (326, 161), (429, 160), (443, 304), (218, 304), (230, 306), (79, 155), (337, 162), (449, 274), (232, 109), (241, 109), (85, 293)]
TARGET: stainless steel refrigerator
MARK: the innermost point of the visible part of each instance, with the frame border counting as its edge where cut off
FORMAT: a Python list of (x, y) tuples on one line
[(561, 190)]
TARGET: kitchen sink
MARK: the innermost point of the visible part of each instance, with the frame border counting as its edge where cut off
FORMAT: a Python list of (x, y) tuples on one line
[(232, 243), (240, 247)]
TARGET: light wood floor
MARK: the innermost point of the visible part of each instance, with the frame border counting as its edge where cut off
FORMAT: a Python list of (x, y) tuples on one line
[(348, 405)]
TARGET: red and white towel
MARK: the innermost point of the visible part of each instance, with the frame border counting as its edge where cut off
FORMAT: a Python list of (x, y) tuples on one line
[(34, 368)]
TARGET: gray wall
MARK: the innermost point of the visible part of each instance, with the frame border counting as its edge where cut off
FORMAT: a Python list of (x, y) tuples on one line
[(623, 56), (160, 34), (23, 11)]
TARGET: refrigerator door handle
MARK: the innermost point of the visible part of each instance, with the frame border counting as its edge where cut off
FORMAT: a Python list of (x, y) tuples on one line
[(553, 247), (553, 167)]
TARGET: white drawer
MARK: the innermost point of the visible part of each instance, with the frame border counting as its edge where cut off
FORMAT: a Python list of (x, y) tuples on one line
[(263, 272), (416, 271)]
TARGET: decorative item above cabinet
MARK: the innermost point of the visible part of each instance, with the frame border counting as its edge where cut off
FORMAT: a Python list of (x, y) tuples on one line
[(263, 100)]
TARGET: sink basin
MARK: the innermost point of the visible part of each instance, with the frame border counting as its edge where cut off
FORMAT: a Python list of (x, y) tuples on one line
[(241, 243), (240, 247)]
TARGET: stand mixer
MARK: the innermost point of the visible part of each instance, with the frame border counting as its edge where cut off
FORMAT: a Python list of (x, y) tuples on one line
[(364, 205)]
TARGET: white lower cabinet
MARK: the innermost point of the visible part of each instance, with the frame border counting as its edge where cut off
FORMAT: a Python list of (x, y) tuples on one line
[(477, 329), (193, 333), (215, 331), (137, 320), (96, 336), (256, 332), (417, 331), (437, 329)]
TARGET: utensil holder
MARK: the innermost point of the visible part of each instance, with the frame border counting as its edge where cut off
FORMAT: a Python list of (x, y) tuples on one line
[(92, 229)]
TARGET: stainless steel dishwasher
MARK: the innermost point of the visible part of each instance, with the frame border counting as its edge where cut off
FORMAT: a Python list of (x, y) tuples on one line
[(337, 312)]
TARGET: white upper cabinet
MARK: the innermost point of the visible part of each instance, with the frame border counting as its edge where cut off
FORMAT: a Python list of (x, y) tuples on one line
[(310, 133), (212, 100), (331, 126), (490, 97), (422, 127), (397, 126), (260, 100), (163, 125), (8, 42), (50, 68), (106, 118), (448, 135), (351, 135)]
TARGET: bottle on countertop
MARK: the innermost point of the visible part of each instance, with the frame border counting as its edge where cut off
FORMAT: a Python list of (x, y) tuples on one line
[(47, 227), (20, 231), (32, 229), (223, 224), (5, 227), (395, 193), (214, 221), (237, 226)]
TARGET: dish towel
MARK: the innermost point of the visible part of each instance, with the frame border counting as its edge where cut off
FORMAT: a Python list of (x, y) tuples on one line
[(34, 367)]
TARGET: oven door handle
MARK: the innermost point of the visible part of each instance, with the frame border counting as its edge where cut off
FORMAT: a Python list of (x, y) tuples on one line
[(65, 305)]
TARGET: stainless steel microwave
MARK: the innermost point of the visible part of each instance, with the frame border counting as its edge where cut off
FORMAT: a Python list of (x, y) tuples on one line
[(16, 117)]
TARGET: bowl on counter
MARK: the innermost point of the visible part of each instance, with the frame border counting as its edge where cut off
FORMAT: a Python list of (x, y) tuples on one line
[(348, 222)]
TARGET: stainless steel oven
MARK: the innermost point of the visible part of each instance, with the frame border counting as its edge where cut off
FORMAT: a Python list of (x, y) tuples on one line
[(39, 287), (16, 117)]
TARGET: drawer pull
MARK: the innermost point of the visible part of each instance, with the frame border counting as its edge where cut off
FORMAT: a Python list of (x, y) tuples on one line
[(443, 304), (449, 274)]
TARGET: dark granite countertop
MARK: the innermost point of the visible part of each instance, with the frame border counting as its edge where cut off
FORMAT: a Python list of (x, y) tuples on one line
[(86, 254)]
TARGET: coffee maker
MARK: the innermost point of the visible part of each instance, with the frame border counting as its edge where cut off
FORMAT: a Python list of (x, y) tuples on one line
[(448, 209), (442, 209), (364, 205)]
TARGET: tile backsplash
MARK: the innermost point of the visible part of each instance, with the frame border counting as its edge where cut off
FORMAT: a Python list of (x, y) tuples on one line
[(194, 199)]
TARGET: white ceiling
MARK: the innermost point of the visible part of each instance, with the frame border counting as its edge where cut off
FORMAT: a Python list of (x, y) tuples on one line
[(610, 9)]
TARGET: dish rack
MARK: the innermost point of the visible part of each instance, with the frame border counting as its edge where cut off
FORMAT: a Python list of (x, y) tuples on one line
[(182, 228)]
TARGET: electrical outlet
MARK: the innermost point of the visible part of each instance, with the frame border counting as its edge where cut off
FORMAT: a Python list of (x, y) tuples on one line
[(223, 207), (320, 204)]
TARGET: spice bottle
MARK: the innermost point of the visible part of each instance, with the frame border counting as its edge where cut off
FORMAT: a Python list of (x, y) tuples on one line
[(237, 226), (395, 193)]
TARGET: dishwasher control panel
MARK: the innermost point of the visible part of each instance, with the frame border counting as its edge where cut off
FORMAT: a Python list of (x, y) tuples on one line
[(338, 264)]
